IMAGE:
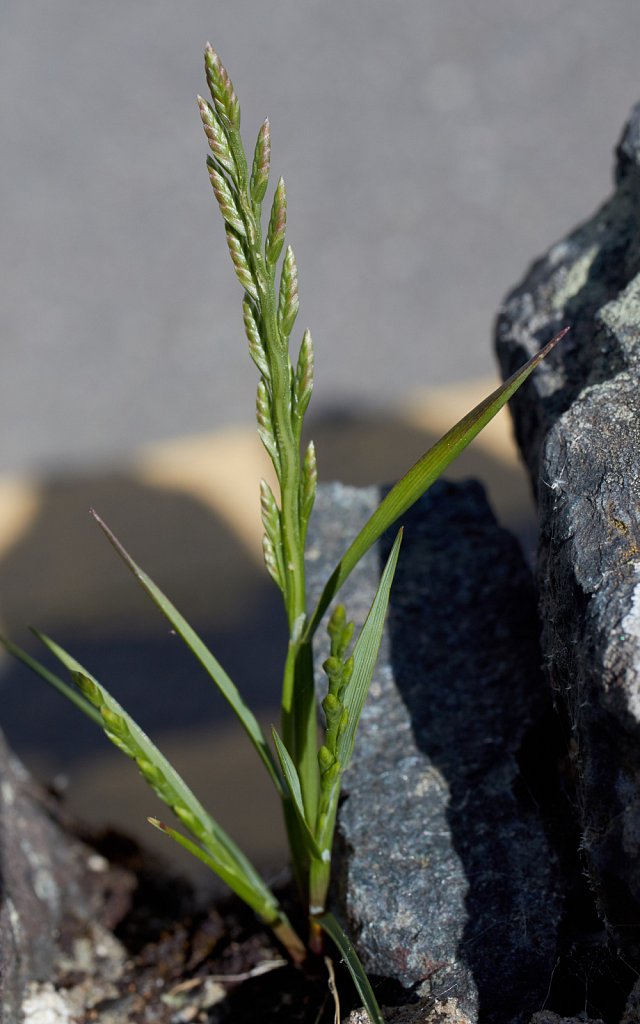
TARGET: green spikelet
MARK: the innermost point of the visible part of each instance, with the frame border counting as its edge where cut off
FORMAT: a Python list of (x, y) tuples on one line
[(303, 385), (115, 725), (272, 541), (218, 141), (340, 632), (261, 163), (277, 225), (240, 262), (265, 424), (308, 483), (338, 669), (222, 91), (257, 349), (288, 302), (226, 200)]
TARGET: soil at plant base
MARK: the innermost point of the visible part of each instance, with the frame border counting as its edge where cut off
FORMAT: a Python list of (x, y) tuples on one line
[(159, 957)]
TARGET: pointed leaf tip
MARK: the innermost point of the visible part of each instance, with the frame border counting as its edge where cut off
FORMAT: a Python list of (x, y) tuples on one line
[(115, 543), (544, 351), (422, 474), (100, 521)]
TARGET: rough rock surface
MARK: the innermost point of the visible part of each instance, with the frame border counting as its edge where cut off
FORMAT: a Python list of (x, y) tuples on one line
[(51, 887), (546, 1017), (446, 874), (577, 422), (423, 1012)]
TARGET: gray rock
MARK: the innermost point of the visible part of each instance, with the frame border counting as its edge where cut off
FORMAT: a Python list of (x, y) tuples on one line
[(425, 1011), (547, 1017), (632, 1009), (445, 874), (52, 890), (577, 422)]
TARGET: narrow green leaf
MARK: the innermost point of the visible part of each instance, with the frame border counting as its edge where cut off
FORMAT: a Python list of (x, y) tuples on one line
[(124, 732), (256, 901), (68, 691), (329, 923), (115, 720), (365, 655), (420, 477), (199, 649), (293, 782)]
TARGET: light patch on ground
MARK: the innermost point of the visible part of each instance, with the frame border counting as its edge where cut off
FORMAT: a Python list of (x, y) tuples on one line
[(222, 470), (18, 509), (43, 1005), (437, 410)]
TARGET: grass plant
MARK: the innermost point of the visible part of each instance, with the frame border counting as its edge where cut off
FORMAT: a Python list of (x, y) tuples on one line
[(305, 770)]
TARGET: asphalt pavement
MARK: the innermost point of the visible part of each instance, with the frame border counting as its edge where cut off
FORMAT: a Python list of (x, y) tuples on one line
[(431, 150)]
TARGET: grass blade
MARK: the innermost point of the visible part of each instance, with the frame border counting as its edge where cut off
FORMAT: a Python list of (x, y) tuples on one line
[(339, 937), (197, 647), (121, 729), (66, 689), (245, 892), (270, 914), (293, 782), (420, 477), (365, 655), (275, 919)]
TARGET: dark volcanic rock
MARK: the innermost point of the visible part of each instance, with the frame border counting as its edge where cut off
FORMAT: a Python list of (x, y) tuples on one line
[(445, 874), (578, 427)]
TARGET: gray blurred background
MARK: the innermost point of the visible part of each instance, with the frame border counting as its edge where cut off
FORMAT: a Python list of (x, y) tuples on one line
[(431, 151)]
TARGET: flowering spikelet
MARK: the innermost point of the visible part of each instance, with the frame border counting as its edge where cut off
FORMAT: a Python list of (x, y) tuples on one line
[(288, 302), (303, 385), (222, 91), (256, 345), (261, 163), (272, 540), (218, 142), (240, 262), (226, 199), (277, 224)]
